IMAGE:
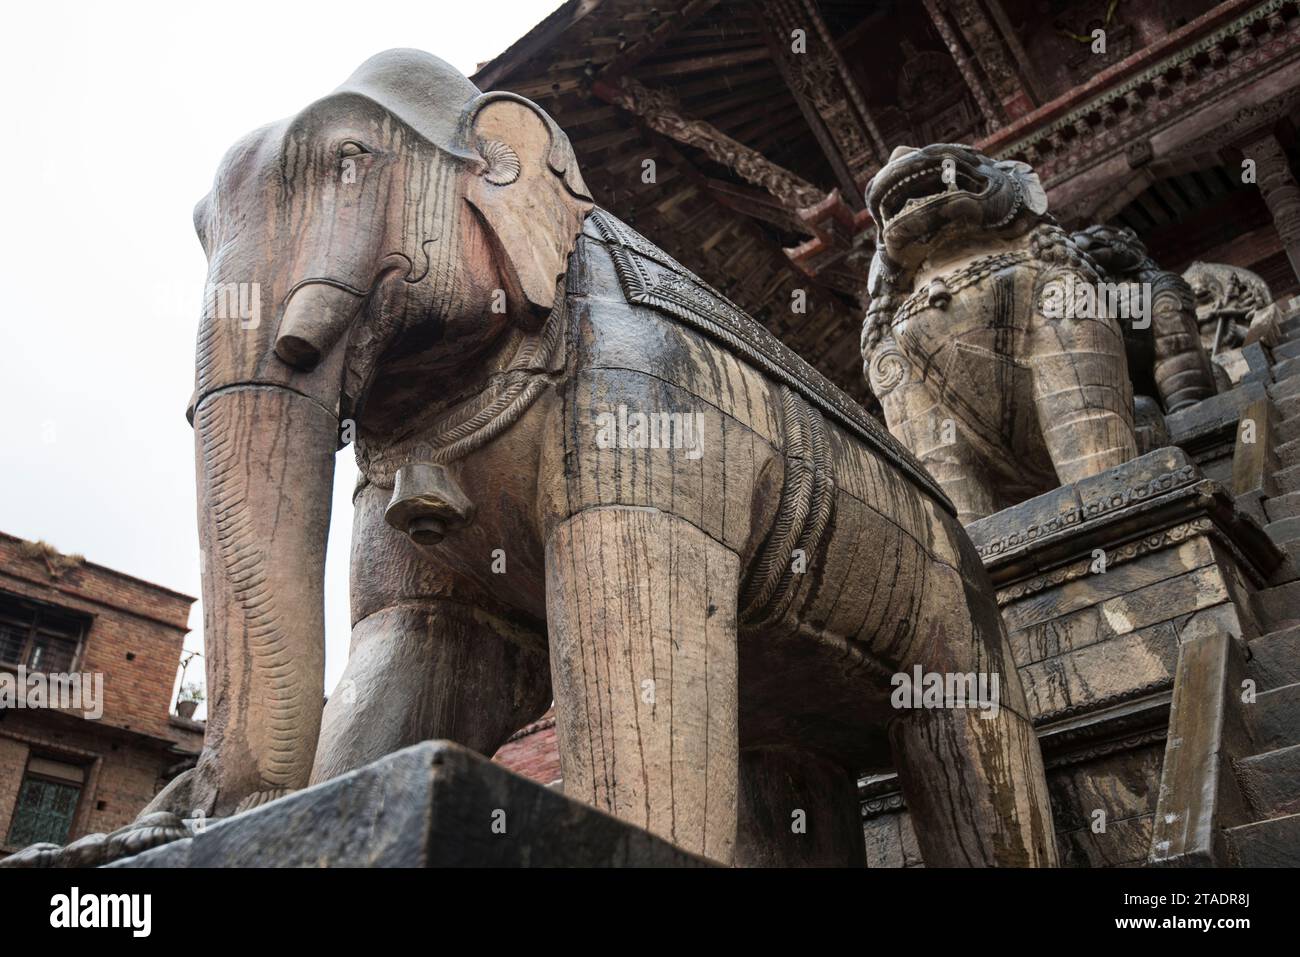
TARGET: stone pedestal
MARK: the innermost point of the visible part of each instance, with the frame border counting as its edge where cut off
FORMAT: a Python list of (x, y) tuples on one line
[(431, 805), (1101, 583)]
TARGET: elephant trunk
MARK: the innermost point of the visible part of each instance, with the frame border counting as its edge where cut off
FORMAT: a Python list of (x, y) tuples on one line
[(265, 469)]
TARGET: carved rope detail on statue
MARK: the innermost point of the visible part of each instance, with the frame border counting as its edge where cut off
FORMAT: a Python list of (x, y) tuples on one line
[(473, 424), (807, 500), (969, 275), (683, 295)]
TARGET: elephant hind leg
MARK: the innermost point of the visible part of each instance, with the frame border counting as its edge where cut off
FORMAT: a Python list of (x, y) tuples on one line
[(431, 669), (967, 756), (797, 809), (973, 787)]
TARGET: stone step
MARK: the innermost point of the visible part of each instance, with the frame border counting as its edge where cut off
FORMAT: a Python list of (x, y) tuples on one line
[(1285, 369), (1285, 389), (1282, 506), (1271, 843), (1272, 606), (1289, 349), (1271, 781), (1283, 529), (1287, 408), (1284, 432), (1287, 479), (1275, 659), (1274, 718), (1288, 453)]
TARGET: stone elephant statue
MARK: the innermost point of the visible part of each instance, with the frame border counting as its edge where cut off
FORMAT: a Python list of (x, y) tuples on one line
[(989, 354), (585, 476)]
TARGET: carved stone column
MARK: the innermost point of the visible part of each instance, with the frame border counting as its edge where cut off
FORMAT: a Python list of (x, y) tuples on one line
[(1280, 191)]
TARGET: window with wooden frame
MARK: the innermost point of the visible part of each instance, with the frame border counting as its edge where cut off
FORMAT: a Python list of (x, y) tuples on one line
[(39, 637), (47, 802)]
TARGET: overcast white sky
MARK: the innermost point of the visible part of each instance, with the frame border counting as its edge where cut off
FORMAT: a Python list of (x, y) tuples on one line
[(119, 114)]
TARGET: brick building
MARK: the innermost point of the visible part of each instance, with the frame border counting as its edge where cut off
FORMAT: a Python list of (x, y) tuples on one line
[(84, 753)]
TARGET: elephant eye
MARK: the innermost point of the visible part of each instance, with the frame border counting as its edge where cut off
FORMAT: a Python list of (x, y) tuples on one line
[(352, 148)]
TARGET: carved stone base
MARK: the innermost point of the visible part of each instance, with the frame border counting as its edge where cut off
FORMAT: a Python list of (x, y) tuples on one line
[(1102, 584), (431, 805)]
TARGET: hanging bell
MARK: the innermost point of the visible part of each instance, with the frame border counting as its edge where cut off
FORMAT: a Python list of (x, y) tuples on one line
[(427, 503)]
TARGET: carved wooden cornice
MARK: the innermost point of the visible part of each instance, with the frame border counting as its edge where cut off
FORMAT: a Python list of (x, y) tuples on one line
[(1204, 62), (1280, 192), (993, 58)]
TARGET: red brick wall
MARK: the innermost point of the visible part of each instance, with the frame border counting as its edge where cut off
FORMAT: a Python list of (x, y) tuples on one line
[(130, 618), (533, 751), (134, 640), (123, 770)]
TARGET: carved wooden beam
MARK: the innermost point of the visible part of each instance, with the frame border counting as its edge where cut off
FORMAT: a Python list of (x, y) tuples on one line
[(661, 113), (828, 97), (992, 113), (1280, 191), (656, 38), (1029, 75), (992, 57), (537, 40)]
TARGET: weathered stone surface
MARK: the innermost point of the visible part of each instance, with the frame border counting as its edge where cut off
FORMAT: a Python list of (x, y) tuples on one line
[(1271, 843), (1271, 781), (1122, 785), (1275, 658), (1274, 717), (1123, 842), (430, 805), (986, 362), (1214, 418)]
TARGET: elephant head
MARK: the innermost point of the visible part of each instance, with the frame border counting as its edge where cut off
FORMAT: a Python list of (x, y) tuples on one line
[(404, 218)]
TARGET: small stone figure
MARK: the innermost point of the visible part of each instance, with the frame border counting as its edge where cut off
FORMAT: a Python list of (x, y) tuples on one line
[(1165, 358), (1229, 299)]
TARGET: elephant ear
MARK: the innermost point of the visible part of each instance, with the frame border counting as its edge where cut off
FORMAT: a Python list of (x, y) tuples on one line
[(528, 195)]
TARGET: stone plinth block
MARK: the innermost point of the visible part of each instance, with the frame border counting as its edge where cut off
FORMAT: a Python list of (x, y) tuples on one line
[(1101, 580), (1101, 583), (431, 805)]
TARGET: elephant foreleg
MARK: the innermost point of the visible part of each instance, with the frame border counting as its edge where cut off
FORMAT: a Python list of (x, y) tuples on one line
[(641, 609)]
